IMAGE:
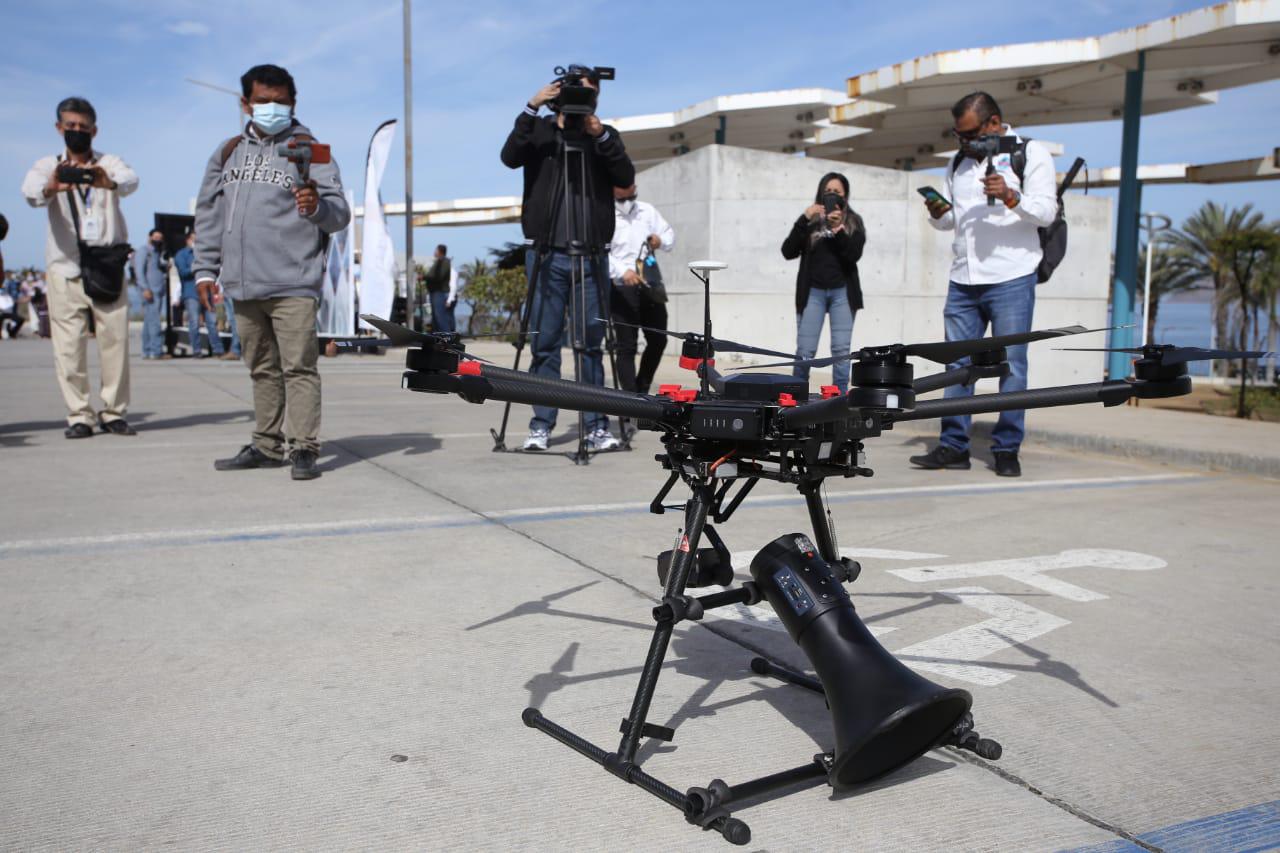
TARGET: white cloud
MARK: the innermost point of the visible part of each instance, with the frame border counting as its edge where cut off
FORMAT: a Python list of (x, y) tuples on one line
[(188, 28)]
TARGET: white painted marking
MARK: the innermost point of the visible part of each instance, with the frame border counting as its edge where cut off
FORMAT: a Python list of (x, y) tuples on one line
[(952, 654), (1031, 570)]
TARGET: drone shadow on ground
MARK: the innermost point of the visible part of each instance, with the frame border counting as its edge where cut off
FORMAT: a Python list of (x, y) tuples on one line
[(699, 655), (363, 448)]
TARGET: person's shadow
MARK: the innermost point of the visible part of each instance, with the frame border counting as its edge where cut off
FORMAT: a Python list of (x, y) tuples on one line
[(338, 453)]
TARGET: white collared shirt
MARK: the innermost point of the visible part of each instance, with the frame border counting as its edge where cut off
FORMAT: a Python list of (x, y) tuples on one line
[(630, 230), (62, 255), (993, 243)]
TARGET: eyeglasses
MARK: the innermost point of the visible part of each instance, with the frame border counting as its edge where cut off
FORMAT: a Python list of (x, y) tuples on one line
[(968, 135)]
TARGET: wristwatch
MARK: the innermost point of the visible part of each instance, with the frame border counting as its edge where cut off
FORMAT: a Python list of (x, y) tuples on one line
[(1017, 197)]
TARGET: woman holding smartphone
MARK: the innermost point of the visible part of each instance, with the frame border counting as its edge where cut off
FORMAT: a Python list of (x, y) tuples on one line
[(828, 239)]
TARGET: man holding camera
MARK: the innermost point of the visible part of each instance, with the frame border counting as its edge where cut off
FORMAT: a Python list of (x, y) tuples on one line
[(1002, 189), (82, 189), (639, 296), (569, 218), (262, 230)]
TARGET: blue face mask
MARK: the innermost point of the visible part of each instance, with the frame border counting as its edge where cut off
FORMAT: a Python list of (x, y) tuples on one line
[(272, 118)]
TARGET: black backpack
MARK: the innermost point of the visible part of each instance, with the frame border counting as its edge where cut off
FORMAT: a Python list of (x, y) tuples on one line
[(1053, 237)]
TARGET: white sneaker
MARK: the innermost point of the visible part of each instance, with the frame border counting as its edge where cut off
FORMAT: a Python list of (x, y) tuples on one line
[(602, 439), (537, 439)]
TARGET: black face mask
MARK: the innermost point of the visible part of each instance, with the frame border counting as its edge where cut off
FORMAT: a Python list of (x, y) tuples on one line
[(78, 141)]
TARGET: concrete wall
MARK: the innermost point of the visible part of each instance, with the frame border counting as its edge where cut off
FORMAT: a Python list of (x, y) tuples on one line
[(736, 205)]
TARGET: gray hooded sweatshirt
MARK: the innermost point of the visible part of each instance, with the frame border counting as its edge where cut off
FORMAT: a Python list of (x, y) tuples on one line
[(249, 235)]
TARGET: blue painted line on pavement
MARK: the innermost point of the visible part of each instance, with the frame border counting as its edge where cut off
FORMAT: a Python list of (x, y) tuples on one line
[(1247, 830)]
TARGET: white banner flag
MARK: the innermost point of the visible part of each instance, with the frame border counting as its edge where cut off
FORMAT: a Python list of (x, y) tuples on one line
[(336, 316), (377, 254)]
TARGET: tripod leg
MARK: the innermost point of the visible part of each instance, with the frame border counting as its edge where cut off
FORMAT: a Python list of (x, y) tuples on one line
[(577, 322), (500, 437), (610, 335), (682, 564)]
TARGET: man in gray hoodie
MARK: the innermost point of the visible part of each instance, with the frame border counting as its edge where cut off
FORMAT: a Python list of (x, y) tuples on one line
[(262, 233)]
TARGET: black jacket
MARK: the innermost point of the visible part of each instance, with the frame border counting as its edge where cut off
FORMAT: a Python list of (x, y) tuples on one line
[(848, 251), (534, 144), (438, 275)]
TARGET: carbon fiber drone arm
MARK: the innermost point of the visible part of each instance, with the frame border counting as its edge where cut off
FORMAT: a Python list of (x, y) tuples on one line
[(1111, 393), (479, 382)]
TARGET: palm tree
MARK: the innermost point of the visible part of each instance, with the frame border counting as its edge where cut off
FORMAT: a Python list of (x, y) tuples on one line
[(1199, 243), (1249, 253), (1170, 274)]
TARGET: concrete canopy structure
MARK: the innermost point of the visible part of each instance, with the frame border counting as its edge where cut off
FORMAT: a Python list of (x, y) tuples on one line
[(1187, 58), (783, 121), (1169, 64)]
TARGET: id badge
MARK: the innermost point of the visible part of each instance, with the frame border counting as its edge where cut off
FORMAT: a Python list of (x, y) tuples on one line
[(91, 228)]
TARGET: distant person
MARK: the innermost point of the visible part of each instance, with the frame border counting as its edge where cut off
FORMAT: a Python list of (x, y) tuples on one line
[(638, 295), (262, 233), (828, 238), (151, 266), (12, 297), (442, 295), (191, 305), (96, 207), (993, 271)]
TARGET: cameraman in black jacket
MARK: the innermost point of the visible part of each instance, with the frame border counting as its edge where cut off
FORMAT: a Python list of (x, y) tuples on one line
[(550, 219)]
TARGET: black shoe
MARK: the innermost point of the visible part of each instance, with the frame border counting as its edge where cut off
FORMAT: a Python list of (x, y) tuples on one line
[(943, 457), (78, 431), (248, 457), (304, 465), (1007, 463), (118, 427)]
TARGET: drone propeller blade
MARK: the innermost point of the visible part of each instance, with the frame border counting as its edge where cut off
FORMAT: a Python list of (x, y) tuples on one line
[(360, 343), (807, 362), (1177, 355), (719, 344), (945, 352), (401, 336), (723, 345)]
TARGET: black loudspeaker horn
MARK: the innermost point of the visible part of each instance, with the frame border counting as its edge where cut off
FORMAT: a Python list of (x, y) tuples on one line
[(885, 715)]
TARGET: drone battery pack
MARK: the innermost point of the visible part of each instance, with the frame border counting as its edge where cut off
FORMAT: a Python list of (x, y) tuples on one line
[(726, 420), (765, 387), (431, 360)]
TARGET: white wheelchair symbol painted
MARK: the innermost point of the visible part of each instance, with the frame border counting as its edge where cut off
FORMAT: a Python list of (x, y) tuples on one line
[(957, 654)]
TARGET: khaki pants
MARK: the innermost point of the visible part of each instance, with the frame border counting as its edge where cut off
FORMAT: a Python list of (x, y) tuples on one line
[(280, 348), (69, 311)]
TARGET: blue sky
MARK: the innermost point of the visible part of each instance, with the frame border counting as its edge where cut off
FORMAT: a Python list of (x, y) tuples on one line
[(475, 64)]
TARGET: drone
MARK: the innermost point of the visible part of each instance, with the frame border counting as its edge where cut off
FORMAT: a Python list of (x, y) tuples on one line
[(720, 439)]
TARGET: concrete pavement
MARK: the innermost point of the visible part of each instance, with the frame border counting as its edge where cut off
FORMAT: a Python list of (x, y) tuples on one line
[(228, 660)]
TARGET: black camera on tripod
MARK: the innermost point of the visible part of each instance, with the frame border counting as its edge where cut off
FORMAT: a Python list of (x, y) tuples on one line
[(575, 99)]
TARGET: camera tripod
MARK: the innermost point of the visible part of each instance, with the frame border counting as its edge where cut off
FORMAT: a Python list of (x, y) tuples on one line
[(585, 253)]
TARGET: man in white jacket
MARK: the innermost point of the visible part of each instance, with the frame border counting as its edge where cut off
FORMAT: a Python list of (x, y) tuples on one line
[(996, 215), (97, 208), (639, 232)]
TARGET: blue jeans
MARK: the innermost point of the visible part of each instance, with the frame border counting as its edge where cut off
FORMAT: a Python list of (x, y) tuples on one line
[(550, 298), (441, 313), (1007, 307), (809, 326), (229, 307), (194, 313), (152, 329)]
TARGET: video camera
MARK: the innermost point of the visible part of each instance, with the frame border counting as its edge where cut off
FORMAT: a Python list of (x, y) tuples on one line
[(574, 98)]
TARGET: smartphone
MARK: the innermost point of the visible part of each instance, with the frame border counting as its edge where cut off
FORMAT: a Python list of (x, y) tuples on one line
[(930, 194)]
